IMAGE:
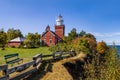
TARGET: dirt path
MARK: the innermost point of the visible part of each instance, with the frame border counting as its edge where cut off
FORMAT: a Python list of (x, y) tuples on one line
[(55, 71)]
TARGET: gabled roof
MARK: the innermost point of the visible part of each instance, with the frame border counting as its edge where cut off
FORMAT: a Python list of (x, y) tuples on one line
[(52, 33), (55, 34), (18, 39), (48, 31)]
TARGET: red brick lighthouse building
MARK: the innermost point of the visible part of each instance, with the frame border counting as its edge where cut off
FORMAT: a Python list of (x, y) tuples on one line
[(49, 37)]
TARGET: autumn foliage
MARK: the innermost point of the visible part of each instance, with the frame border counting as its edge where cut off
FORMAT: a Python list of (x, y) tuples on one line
[(102, 47)]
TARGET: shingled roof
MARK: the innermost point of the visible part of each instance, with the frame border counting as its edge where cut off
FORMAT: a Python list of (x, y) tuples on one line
[(18, 39)]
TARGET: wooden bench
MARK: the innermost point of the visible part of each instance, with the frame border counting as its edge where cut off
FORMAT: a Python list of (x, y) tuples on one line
[(12, 58)]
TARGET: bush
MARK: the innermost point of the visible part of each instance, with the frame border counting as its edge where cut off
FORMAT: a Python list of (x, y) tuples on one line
[(103, 67)]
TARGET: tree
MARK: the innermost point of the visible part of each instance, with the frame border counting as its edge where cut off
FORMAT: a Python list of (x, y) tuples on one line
[(102, 47), (73, 34), (82, 33), (81, 44), (32, 40), (92, 41), (66, 39), (89, 35), (13, 33), (3, 39), (37, 39)]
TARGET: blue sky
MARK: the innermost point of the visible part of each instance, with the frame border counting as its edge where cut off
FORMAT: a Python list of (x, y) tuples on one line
[(99, 17)]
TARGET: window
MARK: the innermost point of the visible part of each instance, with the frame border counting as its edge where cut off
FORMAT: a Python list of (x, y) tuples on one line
[(50, 41), (50, 36)]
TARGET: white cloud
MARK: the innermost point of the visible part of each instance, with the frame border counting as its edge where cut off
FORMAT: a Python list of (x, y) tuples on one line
[(109, 38), (98, 34), (106, 34)]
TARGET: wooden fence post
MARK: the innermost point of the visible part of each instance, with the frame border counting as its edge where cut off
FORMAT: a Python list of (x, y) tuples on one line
[(37, 59), (72, 53), (4, 69)]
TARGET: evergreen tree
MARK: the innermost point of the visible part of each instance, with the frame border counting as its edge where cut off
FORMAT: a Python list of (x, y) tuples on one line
[(73, 34), (82, 33)]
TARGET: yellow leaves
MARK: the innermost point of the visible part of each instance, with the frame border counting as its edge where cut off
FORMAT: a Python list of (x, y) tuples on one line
[(102, 47), (84, 44)]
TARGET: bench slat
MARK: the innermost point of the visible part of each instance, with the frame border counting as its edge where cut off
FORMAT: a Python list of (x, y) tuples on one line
[(12, 58), (14, 61)]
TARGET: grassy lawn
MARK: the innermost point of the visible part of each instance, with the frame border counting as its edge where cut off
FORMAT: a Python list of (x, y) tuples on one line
[(25, 54)]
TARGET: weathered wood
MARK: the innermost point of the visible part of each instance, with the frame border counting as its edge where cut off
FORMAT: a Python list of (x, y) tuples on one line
[(23, 74), (4, 78), (47, 55), (72, 53), (64, 53), (37, 56), (38, 62), (57, 54), (3, 67), (57, 57), (20, 67)]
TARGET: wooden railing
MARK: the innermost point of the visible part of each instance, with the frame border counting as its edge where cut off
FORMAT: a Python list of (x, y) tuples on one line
[(32, 66)]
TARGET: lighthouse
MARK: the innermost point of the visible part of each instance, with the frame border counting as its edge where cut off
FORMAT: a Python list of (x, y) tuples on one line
[(50, 38), (59, 21), (60, 27)]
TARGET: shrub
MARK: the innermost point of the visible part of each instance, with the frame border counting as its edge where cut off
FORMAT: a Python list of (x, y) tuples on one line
[(102, 47), (103, 67)]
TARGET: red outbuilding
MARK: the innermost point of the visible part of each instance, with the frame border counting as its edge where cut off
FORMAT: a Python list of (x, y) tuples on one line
[(17, 42), (49, 37)]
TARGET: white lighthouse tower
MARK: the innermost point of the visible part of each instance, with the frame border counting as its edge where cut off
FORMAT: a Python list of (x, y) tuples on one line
[(59, 21)]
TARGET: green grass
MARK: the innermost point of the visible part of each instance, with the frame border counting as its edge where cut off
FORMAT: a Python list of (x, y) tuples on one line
[(25, 54)]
